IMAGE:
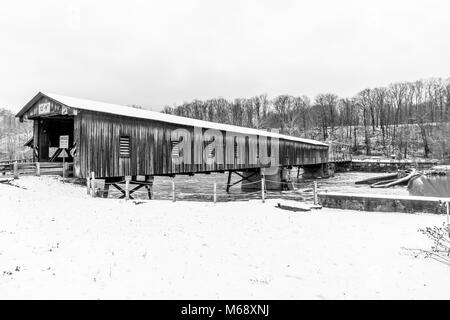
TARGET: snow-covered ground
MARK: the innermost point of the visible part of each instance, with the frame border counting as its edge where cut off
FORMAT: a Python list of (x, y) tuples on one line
[(57, 242)]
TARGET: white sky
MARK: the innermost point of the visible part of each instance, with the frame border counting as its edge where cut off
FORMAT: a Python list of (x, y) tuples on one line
[(156, 53)]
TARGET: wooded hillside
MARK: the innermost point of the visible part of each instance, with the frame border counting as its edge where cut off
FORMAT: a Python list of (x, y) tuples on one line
[(405, 118), (13, 135)]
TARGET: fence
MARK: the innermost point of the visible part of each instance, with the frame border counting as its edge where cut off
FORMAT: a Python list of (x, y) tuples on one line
[(210, 191), (392, 165), (17, 169), (5, 162)]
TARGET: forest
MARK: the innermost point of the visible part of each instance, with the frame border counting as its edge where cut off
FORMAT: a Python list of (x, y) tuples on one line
[(13, 135), (405, 119)]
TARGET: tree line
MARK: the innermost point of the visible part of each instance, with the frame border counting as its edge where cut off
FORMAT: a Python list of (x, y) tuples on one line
[(382, 118), (13, 135)]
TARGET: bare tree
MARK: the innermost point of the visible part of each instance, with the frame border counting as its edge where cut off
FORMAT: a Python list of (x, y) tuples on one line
[(398, 119)]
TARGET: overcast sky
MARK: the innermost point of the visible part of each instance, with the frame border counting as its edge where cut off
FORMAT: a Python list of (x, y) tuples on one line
[(156, 53)]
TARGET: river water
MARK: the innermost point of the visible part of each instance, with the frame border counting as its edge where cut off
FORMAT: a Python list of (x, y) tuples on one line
[(200, 188)]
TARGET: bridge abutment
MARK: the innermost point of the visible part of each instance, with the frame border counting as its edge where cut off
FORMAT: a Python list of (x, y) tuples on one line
[(281, 180), (317, 171)]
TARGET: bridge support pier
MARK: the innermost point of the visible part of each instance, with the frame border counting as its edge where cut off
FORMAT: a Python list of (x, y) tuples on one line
[(343, 166), (317, 171), (281, 180)]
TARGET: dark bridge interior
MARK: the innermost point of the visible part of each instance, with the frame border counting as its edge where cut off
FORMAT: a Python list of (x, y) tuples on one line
[(49, 131)]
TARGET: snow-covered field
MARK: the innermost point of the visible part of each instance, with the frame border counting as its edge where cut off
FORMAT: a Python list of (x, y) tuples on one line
[(56, 242)]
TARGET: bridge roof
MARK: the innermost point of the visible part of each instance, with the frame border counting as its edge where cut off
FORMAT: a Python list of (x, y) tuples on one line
[(126, 111)]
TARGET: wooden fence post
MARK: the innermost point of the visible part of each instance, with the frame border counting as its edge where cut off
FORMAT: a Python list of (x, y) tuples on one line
[(127, 188), (173, 190), (64, 169), (16, 170), (92, 184), (263, 187), (88, 185), (315, 192), (215, 192), (38, 169)]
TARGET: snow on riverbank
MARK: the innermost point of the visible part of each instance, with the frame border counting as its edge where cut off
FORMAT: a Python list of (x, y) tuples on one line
[(57, 242)]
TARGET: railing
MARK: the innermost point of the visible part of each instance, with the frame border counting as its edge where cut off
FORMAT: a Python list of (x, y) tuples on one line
[(17, 169), (394, 161), (339, 152), (342, 157), (15, 160), (392, 164)]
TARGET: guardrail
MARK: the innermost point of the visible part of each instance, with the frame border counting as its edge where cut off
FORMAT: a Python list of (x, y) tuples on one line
[(17, 169)]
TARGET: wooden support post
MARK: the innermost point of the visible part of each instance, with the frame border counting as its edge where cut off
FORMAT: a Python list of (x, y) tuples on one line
[(315, 192), (263, 188), (229, 181), (64, 164), (16, 170), (173, 190), (127, 188), (66, 170), (88, 185), (149, 191), (106, 190), (38, 169), (215, 192), (92, 184)]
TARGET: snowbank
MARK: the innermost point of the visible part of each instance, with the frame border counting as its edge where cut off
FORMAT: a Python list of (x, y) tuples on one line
[(57, 242)]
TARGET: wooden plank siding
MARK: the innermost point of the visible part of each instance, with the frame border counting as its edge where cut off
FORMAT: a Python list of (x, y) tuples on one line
[(97, 136)]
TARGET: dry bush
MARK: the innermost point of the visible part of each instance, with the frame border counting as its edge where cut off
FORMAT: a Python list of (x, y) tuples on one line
[(440, 249)]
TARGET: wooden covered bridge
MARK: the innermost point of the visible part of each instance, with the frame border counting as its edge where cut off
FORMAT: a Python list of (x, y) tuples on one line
[(115, 141)]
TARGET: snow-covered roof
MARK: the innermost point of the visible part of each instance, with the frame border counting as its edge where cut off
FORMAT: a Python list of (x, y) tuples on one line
[(104, 107)]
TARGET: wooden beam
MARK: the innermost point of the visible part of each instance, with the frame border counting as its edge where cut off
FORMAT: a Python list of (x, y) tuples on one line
[(229, 180)]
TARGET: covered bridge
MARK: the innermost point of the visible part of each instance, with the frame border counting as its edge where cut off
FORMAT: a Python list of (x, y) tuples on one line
[(115, 141)]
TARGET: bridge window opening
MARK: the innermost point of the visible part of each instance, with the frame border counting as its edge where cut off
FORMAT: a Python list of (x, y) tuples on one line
[(176, 149), (125, 150), (236, 149), (210, 150)]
